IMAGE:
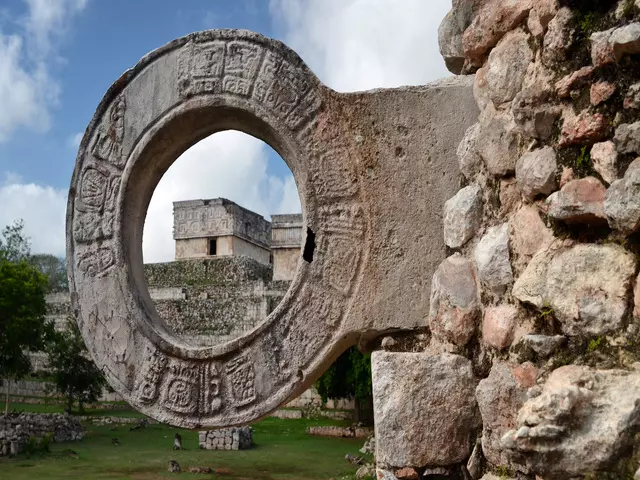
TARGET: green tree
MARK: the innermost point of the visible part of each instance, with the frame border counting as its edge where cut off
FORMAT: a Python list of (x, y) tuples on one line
[(74, 374), (22, 306), (350, 377), (54, 269)]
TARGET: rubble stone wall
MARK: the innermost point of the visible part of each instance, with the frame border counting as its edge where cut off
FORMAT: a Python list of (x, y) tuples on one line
[(15, 431), (235, 438), (530, 363)]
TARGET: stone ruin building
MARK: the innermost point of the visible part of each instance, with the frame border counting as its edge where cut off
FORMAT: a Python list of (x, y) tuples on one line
[(507, 293)]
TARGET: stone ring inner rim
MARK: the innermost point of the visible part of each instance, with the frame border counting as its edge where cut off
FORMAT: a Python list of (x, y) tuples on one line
[(153, 154)]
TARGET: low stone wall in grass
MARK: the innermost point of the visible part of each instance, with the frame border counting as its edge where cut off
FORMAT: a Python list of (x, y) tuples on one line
[(342, 432), (15, 431), (235, 438)]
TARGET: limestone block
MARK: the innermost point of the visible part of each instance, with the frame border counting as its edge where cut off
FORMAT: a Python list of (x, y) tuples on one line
[(601, 92), (350, 158), (462, 216), (469, 160), (586, 286), (583, 419), (585, 127), (559, 37), (605, 160), (622, 200), (574, 81), (636, 299), (579, 201), (498, 326), (454, 301), (500, 396), (528, 234), (492, 258), (627, 138), (543, 345), (499, 143), (625, 40), (601, 50), (494, 19), (409, 392), (507, 66), (536, 172), (632, 98)]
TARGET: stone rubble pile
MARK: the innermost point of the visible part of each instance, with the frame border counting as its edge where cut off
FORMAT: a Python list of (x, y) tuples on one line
[(234, 438), (15, 431), (533, 366)]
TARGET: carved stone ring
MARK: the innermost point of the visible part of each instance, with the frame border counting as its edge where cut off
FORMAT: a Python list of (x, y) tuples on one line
[(372, 169)]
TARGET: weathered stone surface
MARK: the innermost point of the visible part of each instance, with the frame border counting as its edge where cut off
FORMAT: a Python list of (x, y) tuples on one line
[(581, 422), (636, 299), (627, 138), (384, 474), (454, 300), (586, 286), (579, 201), (544, 345), (498, 326), (363, 238), (450, 41), (474, 464), (583, 128), (481, 89), (409, 392), (492, 258), (632, 99), (625, 40), (494, 19), (509, 195), (567, 175), (601, 51), (407, 473), (499, 143), (462, 216), (601, 92), (468, 158), (532, 108), (622, 200), (500, 396), (573, 81), (560, 36), (536, 172), (605, 160), (546, 10), (507, 66), (528, 234)]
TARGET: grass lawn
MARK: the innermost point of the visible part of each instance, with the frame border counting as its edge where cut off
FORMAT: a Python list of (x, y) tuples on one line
[(282, 450)]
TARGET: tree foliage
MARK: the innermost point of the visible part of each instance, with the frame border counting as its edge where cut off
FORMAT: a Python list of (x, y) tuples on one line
[(22, 305), (349, 377), (73, 372), (54, 269)]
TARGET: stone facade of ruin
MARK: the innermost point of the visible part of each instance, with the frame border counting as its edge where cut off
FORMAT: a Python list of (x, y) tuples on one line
[(219, 227), (286, 241)]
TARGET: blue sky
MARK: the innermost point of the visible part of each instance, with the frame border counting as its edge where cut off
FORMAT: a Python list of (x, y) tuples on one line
[(58, 57)]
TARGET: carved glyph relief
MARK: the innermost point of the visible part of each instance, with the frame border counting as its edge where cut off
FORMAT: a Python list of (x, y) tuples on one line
[(108, 143), (95, 204), (248, 70)]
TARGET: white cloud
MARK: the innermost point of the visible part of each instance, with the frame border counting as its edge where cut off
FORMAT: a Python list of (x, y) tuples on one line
[(41, 207), (24, 93), (364, 44), (74, 140), (228, 164), (27, 90)]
